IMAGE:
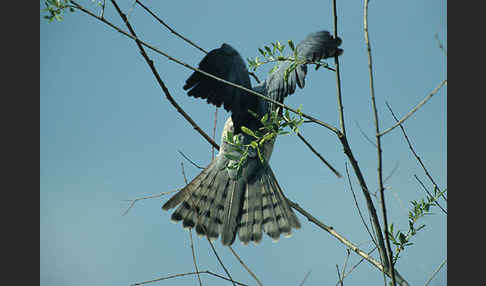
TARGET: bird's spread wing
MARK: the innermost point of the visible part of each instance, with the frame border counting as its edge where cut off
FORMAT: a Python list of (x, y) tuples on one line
[(226, 63), (315, 47), (218, 201)]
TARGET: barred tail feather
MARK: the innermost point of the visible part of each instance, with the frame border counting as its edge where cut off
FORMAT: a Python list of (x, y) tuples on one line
[(256, 202), (278, 218), (212, 221), (232, 210), (215, 204), (293, 220), (194, 199)]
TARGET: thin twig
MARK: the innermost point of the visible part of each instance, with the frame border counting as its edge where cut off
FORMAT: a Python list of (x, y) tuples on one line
[(391, 172), (190, 235), (245, 266), (420, 104), (186, 274), (339, 275), (305, 278), (194, 258), (154, 71), (338, 75), (356, 265), (190, 161), (429, 194), (220, 261), (345, 241), (413, 151), (357, 206), (318, 155), (388, 261), (364, 134), (182, 37), (440, 44), (435, 272), (169, 28), (250, 91), (132, 202), (348, 253), (254, 76)]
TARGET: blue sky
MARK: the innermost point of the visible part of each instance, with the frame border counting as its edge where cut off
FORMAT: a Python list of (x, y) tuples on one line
[(108, 134)]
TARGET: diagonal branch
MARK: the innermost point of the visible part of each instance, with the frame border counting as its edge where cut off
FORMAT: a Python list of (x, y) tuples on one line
[(430, 195), (435, 272), (413, 151), (169, 28), (132, 202), (186, 274), (245, 266), (318, 155), (357, 206), (156, 74), (346, 242), (250, 91), (444, 82)]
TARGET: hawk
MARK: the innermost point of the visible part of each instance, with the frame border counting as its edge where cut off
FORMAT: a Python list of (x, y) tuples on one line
[(220, 200)]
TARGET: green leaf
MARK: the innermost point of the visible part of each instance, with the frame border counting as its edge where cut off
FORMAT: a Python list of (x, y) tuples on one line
[(268, 136), (230, 137), (291, 45), (274, 46), (264, 118), (268, 50), (402, 237), (248, 131), (262, 52), (280, 47), (260, 155)]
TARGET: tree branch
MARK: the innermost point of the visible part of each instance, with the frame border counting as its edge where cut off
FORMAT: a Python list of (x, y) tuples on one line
[(338, 75), (250, 91), (444, 82), (154, 71), (346, 242), (245, 266), (388, 260), (435, 272), (170, 29), (189, 273), (318, 155), (413, 151)]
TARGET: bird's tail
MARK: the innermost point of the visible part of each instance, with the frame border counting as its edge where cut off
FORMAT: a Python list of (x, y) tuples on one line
[(215, 204)]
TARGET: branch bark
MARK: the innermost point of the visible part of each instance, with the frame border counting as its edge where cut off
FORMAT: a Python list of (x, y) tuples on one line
[(388, 259)]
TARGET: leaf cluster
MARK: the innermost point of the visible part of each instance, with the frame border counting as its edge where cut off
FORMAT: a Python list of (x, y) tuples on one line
[(275, 54), (56, 9), (419, 209), (273, 124)]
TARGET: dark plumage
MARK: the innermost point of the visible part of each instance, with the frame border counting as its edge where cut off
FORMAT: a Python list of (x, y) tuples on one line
[(217, 201)]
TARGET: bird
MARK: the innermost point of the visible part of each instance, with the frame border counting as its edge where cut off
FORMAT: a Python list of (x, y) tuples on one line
[(222, 201)]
